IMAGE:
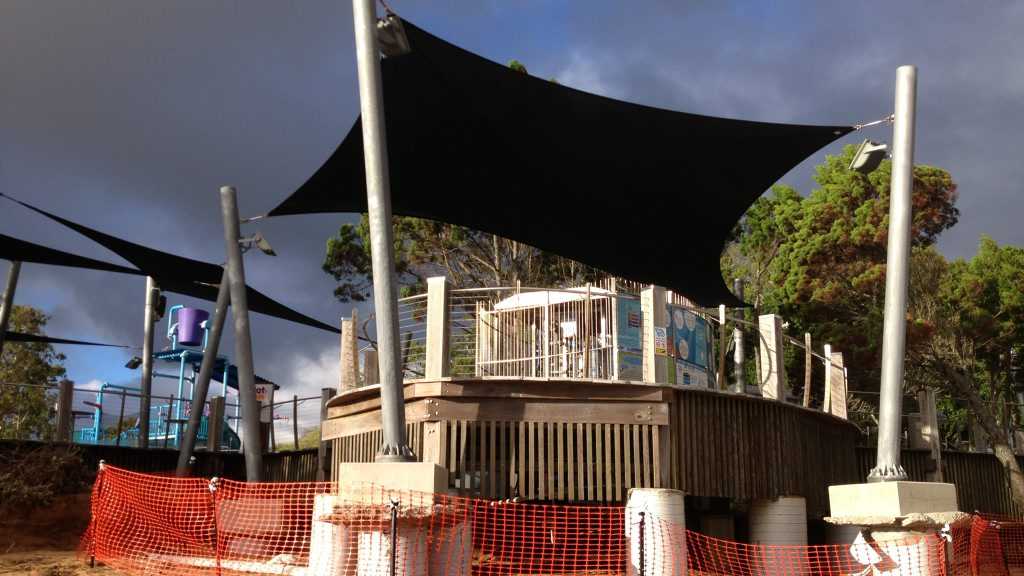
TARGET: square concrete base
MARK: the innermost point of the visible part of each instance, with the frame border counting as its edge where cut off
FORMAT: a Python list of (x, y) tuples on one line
[(891, 499), (355, 477)]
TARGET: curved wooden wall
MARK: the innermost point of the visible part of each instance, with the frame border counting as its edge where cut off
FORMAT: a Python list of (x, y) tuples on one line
[(591, 441)]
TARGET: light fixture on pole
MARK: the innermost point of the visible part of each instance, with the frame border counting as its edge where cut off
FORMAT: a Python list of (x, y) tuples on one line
[(868, 156)]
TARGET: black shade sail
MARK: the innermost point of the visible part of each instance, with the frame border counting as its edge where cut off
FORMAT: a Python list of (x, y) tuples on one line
[(15, 249), (11, 336), (176, 273), (640, 192)]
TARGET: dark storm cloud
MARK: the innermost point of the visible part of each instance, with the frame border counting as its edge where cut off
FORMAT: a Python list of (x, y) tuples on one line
[(127, 116)]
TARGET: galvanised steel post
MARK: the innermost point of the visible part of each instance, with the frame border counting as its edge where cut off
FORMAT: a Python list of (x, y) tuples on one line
[(8, 301), (146, 386), (378, 199), (243, 338), (205, 374), (897, 273)]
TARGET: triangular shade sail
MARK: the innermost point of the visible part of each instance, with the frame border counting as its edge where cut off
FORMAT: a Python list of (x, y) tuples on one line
[(15, 249), (173, 273), (11, 336), (642, 193)]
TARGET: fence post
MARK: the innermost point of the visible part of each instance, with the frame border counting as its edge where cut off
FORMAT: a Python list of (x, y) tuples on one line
[(437, 360), (120, 420), (826, 404), (837, 405), (808, 360), (321, 452), (721, 347), (295, 421), (739, 383), (655, 334), (215, 424), (349, 354), (773, 368), (65, 423), (370, 373)]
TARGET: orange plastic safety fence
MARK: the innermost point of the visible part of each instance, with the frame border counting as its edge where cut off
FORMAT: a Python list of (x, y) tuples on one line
[(144, 524)]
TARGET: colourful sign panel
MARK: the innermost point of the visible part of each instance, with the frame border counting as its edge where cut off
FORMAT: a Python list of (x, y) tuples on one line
[(689, 337)]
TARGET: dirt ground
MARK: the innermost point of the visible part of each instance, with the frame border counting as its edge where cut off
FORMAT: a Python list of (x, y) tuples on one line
[(44, 542)]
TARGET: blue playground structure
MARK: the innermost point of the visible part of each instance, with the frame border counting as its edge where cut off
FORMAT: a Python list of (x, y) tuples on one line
[(187, 331)]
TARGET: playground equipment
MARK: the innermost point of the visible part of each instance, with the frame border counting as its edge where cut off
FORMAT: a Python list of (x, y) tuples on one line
[(187, 331)]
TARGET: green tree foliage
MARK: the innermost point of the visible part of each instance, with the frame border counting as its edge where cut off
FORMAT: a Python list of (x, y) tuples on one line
[(25, 409), (819, 261)]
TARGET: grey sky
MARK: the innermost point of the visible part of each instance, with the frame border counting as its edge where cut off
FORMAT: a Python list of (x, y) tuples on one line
[(128, 115)]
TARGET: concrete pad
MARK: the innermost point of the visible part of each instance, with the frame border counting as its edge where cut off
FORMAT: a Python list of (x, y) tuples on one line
[(891, 499), (425, 477)]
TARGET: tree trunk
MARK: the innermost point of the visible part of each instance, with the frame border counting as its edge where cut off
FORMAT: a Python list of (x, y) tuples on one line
[(985, 415)]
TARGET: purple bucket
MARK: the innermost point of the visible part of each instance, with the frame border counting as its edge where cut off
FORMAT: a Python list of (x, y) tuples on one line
[(190, 333)]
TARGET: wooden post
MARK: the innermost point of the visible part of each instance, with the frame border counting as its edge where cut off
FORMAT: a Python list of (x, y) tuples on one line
[(773, 368), (120, 421), (321, 453), (349, 358), (655, 334), (836, 384), (826, 403), (65, 421), (167, 420), (295, 421), (438, 328), (370, 373), (215, 425), (808, 359), (721, 347)]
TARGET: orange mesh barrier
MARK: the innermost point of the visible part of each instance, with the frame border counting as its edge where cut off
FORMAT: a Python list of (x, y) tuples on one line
[(145, 524)]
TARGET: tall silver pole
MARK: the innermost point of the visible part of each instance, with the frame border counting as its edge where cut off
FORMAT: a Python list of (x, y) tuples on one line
[(243, 338), (378, 201), (8, 302), (739, 386), (897, 272), (146, 386), (202, 386)]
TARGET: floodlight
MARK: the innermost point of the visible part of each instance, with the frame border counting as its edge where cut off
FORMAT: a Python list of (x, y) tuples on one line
[(258, 241), (134, 363), (868, 156), (391, 36)]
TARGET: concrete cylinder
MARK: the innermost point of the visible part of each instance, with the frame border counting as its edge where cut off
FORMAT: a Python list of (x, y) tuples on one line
[(410, 552), (659, 549), (779, 521), (332, 547), (452, 555)]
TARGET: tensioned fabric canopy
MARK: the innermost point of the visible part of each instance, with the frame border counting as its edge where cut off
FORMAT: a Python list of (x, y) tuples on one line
[(11, 336), (640, 192), (172, 273), (15, 249)]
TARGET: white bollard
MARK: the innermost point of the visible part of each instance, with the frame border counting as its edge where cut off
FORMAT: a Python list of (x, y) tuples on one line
[(452, 555), (410, 552), (659, 549), (332, 547)]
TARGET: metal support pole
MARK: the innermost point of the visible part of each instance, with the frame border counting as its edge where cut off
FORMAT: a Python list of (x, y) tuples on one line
[(8, 302), (897, 267), (65, 418), (243, 338), (202, 383), (146, 386), (737, 336), (378, 202)]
